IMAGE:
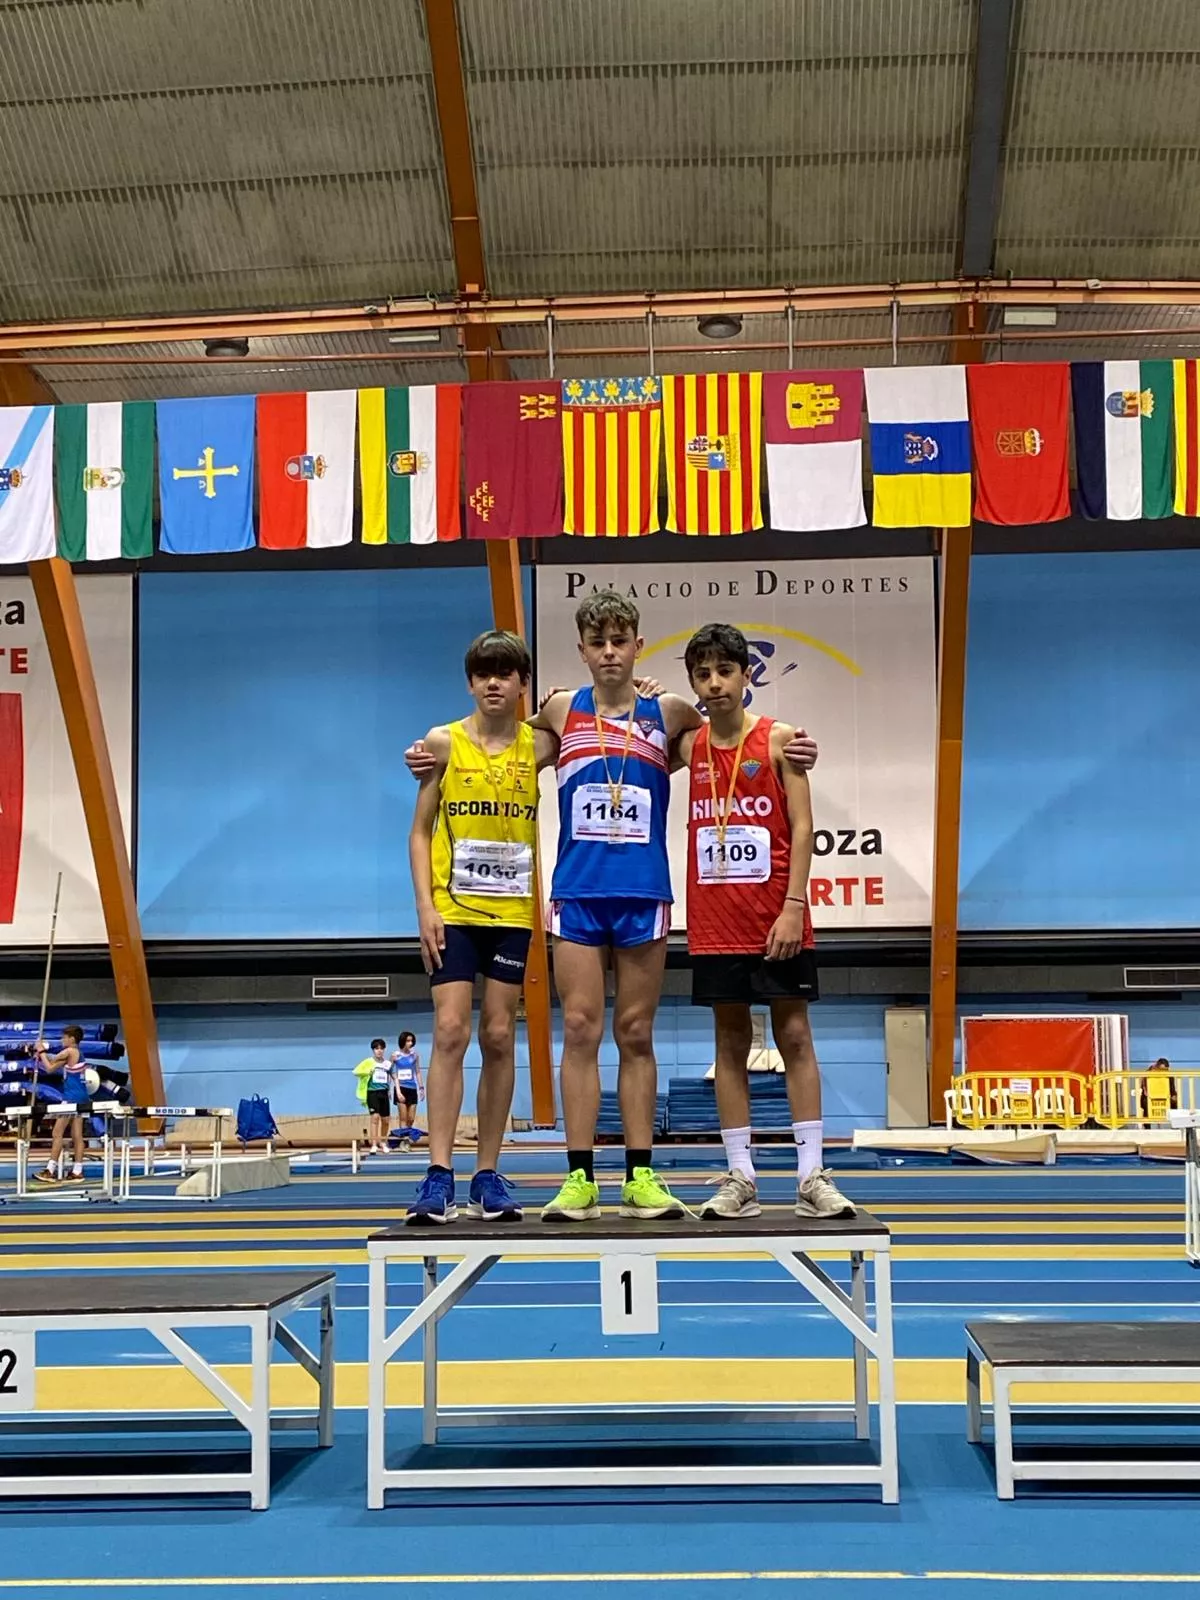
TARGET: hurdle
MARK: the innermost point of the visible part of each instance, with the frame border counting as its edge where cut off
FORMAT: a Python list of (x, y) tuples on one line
[(128, 1135), (118, 1140), (1188, 1123), (20, 1122)]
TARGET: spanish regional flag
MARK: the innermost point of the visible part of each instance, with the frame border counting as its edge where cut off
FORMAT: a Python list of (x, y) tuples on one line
[(714, 452), (1187, 439), (920, 446), (409, 459), (1019, 441), (12, 801), (611, 433)]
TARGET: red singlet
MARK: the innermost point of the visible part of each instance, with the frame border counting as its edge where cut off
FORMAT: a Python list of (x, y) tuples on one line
[(737, 890)]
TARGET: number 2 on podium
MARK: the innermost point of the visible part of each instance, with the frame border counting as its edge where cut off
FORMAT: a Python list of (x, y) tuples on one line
[(628, 1294)]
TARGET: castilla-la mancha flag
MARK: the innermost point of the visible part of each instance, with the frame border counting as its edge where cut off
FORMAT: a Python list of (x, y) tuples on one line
[(813, 423), (512, 441), (1019, 441)]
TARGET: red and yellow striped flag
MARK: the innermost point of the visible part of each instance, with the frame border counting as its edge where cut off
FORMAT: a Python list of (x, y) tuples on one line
[(611, 428), (1187, 438), (714, 450)]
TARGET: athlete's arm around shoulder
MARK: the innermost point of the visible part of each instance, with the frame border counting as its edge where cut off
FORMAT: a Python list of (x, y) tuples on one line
[(420, 848), (679, 715), (551, 715)]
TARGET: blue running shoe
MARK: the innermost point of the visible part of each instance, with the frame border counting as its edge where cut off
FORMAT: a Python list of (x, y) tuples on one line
[(492, 1198), (435, 1200)]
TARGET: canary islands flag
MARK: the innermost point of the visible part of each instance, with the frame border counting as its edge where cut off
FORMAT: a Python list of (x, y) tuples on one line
[(920, 446), (206, 474)]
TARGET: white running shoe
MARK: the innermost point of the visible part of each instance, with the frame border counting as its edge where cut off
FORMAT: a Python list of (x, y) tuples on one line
[(819, 1196), (736, 1196)]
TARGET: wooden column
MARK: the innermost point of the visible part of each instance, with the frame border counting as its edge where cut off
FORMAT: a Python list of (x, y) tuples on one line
[(58, 603), (954, 588)]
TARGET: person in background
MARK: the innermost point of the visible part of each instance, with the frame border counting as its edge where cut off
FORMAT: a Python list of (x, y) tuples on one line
[(69, 1060), (406, 1083), (374, 1074)]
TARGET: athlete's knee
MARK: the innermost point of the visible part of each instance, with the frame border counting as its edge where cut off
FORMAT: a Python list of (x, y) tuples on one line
[(734, 1036), (451, 1036), (634, 1033), (583, 1027), (496, 1036)]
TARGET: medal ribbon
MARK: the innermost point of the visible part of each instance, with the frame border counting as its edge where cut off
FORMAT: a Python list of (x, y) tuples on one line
[(615, 789), (722, 822)]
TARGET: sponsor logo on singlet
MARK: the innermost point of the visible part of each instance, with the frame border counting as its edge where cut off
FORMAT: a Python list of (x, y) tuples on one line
[(751, 805)]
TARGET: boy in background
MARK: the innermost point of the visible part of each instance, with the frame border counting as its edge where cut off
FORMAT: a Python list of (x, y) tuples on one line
[(374, 1074), (69, 1060)]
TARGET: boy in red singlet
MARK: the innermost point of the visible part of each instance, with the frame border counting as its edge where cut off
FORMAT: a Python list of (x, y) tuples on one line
[(750, 937)]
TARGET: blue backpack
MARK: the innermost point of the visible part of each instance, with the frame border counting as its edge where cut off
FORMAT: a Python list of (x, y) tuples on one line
[(255, 1121)]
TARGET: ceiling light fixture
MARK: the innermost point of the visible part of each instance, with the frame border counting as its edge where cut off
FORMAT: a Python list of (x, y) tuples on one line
[(227, 347), (724, 325), (1030, 316), (415, 336)]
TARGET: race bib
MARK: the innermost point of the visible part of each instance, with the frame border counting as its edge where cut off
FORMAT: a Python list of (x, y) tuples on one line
[(492, 866), (379, 1077), (743, 857), (594, 816)]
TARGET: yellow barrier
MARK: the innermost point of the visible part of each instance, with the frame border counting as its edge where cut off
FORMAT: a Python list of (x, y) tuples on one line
[(1016, 1100), (1143, 1099)]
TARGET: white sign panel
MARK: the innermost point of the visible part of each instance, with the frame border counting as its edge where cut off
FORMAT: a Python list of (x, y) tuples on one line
[(628, 1294), (843, 648), (42, 828), (18, 1365)]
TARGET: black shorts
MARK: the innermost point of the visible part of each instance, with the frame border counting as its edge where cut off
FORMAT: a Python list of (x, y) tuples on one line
[(407, 1093), (495, 952), (378, 1103), (753, 980)]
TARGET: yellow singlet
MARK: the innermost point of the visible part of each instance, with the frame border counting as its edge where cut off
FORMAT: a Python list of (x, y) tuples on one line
[(486, 832)]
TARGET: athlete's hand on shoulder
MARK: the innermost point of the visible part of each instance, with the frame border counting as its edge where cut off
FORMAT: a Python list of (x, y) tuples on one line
[(786, 937), (649, 688), (433, 939), (549, 695), (800, 752), (423, 755)]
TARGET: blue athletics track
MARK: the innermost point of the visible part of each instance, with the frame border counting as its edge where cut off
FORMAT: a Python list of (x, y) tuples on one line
[(1086, 1241)]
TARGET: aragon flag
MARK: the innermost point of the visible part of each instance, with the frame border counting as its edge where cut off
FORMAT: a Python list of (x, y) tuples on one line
[(712, 426), (104, 480), (512, 440), (1019, 441), (1122, 438)]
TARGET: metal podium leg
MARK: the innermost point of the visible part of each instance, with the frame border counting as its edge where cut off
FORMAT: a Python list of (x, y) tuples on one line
[(889, 1462), (974, 1408), (260, 1413), (325, 1355), (376, 1383), (858, 1298), (1002, 1428), (429, 1418)]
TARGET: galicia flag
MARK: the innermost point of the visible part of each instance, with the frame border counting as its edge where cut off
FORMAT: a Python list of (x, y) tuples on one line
[(12, 801)]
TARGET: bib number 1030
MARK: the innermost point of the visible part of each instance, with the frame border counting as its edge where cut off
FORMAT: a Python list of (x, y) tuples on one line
[(17, 1368), (628, 1294)]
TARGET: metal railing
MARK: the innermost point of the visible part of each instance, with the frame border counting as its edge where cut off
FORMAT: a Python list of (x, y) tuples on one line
[(1114, 1100)]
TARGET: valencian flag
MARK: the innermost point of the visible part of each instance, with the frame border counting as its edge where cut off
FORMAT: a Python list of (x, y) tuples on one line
[(1122, 438), (611, 433), (26, 483), (104, 480), (813, 423), (409, 450), (920, 447), (1187, 440), (12, 801), (306, 469), (713, 432), (1019, 441), (512, 440), (206, 474)]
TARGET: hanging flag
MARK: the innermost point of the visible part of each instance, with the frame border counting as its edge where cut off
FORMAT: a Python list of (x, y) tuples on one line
[(206, 474), (512, 439), (104, 480), (1187, 439), (813, 423), (611, 433), (306, 469), (409, 445), (1122, 438), (1019, 441), (26, 483), (920, 447), (12, 801), (713, 430)]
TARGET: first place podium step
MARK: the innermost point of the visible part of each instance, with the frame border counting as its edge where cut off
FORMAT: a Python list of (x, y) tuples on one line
[(627, 1252)]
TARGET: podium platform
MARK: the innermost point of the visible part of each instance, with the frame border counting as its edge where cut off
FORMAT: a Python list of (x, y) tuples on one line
[(626, 1251)]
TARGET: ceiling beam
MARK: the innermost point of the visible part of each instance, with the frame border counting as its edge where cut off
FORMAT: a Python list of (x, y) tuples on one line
[(989, 112)]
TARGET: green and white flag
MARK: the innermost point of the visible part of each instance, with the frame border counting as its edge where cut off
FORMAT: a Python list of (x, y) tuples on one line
[(104, 480)]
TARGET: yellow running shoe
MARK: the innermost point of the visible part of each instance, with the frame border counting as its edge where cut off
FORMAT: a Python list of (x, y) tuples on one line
[(577, 1201), (645, 1195)]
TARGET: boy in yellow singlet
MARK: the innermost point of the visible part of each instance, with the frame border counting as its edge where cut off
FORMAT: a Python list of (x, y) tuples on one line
[(472, 850)]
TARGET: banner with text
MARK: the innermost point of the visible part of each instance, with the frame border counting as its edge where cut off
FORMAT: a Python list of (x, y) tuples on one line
[(843, 648), (42, 827)]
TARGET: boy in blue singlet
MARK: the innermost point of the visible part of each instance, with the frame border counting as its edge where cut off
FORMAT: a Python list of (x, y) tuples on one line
[(69, 1061)]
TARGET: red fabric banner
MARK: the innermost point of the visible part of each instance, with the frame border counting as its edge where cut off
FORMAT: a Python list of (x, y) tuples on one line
[(1019, 441), (512, 435), (12, 801)]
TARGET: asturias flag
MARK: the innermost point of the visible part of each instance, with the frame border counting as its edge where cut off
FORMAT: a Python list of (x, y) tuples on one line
[(611, 436), (306, 469), (409, 454), (104, 479), (1019, 441), (206, 474), (713, 432), (1122, 438), (813, 424), (920, 447), (26, 483), (512, 439)]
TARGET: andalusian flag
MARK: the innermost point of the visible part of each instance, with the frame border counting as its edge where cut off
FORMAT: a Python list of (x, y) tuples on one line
[(1187, 439), (611, 429), (713, 429), (409, 447), (104, 480), (1122, 438)]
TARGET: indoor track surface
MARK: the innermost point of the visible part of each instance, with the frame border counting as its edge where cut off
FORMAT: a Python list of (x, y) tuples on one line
[(1094, 1240)]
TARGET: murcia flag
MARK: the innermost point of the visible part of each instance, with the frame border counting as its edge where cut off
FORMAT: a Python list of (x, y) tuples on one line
[(1019, 441), (1187, 440), (813, 423), (409, 448), (104, 480), (713, 433), (306, 469), (1122, 438), (26, 483), (611, 435), (920, 447), (12, 801), (512, 441), (206, 474)]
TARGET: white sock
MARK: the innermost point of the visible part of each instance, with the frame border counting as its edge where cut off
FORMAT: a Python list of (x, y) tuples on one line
[(737, 1150), (808, 1137)]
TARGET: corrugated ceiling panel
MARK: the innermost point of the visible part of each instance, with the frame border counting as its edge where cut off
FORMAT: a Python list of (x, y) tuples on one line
[(677, 146)]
